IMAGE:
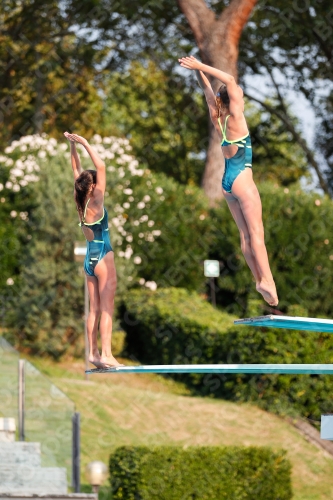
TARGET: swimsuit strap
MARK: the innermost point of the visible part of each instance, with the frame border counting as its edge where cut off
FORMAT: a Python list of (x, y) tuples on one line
[(83, 221), (223, 130), (224, 136), (85, 209)]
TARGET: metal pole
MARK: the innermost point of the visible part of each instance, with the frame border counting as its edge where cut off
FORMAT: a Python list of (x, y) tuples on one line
[(86, 312), (21, 397), (212, 291), (76, 452)]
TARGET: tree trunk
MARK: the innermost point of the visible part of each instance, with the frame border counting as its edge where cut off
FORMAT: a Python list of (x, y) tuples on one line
[(217, 40)]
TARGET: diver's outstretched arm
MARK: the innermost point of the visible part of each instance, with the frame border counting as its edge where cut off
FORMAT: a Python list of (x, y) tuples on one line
[(234, 92), (209, 95), (97, 161), (75, 159)]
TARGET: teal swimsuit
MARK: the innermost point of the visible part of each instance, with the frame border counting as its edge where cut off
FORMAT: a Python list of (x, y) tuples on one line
[(237, 163), (100, 245)]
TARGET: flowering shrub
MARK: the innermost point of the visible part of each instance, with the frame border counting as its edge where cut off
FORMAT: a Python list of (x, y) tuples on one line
[(159, 232)]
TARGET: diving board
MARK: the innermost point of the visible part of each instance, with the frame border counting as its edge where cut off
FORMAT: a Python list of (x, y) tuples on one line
[(289, 369), (289, 322)]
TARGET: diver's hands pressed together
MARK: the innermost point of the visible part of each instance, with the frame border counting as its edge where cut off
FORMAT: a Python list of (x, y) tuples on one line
[(76, 138), (191, 62)]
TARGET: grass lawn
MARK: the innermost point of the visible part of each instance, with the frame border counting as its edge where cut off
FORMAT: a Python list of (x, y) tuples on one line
[(146, 409)]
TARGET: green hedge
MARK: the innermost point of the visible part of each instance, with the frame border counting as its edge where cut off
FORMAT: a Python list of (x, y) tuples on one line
[(174, 326), (170, 473)]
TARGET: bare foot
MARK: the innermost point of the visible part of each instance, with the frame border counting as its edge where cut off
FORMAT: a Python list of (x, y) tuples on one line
[(268, 291), (95, 359), (109, 362)]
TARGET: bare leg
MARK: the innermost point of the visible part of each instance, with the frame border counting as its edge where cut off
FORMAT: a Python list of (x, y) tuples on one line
[(92, 320), (107, 283), (246, 192), (245, 239)]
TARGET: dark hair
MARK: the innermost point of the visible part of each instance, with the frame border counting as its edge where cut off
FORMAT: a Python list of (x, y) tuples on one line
[(222, 99), (81, 188)]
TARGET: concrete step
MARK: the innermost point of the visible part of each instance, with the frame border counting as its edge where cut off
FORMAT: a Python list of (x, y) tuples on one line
[(34, 480), (19, 453)]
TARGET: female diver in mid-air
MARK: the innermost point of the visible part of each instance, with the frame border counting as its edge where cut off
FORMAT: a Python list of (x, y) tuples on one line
[(227, 114), (99, 266)]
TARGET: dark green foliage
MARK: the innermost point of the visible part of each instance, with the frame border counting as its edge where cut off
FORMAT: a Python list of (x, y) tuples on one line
[(299, 239), (205, 473), (173, 326)]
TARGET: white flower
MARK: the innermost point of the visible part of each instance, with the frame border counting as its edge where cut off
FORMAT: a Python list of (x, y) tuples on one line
[(146, 198), (16, 172), (41, 154), (118, 208), (23, 148), (63, 147), (109, 155), (121, 253), (151, 223), (128, 252), (130, 278), (151, 285), (162, 198), (128, 191), (97, 138), (9, 162), (8, 150), (10, 281), (157, 232), (126, 205), (24, 215), (31, 178), (136, 223), (150, 237), (137, 260), (131, 198), (142, 281), (129, 238), (16, 187), (9, 185), (159, 190), (141, 235), (13, 213), (202, 217), (143, 218), (1, 187), (107, 140), (141, 204)]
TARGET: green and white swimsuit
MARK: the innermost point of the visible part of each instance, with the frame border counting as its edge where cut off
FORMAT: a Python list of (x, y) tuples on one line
[(100, 245), (240, 161)]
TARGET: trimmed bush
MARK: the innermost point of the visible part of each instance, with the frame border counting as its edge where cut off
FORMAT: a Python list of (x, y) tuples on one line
[(174, 326), (170, 473)]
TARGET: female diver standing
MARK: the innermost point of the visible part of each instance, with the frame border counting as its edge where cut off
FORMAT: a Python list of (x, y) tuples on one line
[(99, 266), (227, 114)]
